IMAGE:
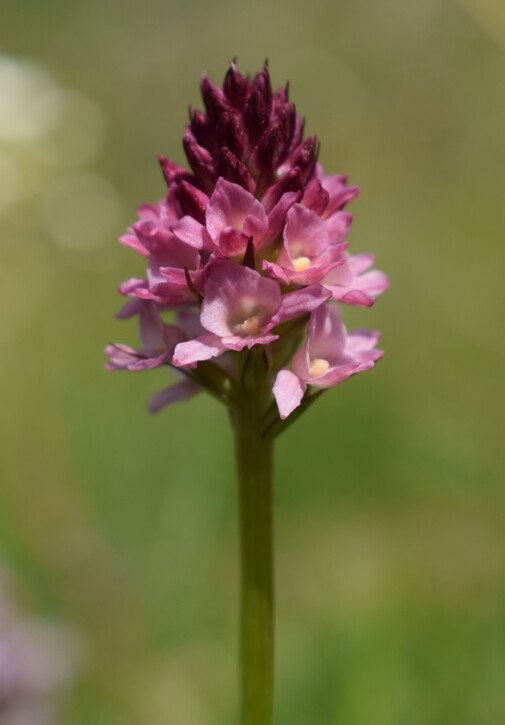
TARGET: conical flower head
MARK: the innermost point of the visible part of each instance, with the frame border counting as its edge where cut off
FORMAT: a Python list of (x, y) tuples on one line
[(246, 135), (246, 245)]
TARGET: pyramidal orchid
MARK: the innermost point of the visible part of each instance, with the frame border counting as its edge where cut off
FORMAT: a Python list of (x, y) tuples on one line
[(248, 253)]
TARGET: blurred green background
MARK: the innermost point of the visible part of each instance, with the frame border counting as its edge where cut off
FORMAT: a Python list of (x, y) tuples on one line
[(390, 497)]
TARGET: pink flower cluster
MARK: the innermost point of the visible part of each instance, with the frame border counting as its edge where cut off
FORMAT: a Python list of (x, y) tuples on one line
[(248, 249)]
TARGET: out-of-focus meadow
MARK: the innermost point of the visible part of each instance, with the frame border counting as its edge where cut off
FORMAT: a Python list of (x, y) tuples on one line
[(390, 491)]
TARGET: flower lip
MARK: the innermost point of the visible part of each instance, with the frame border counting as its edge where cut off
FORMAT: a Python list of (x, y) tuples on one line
[(318, 367), (238, 301), (301, 263), (249, 320)]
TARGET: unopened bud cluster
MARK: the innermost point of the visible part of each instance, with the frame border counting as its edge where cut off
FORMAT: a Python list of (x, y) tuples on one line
[(248, 250)]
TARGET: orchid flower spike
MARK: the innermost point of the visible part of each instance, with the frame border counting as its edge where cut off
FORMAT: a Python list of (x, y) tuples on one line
[(247, 271), (248, 249)]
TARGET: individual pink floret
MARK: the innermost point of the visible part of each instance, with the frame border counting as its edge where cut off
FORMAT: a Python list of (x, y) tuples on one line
[(240, 309), (311, 248), (352, 284), (339, 194), (232, 216), (158, 339), (330, 356)]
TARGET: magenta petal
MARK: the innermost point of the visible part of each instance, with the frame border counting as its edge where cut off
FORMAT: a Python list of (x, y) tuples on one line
[(151, 326), (150, 363), (300, 302), (338, 225), (288, 391), (230, 205), (123, 357), (373, 282), (277, 217), (204, 347), (340, 194), (305, 234), (130, 309), (255, 225), (339, 276), (351, 287), (132, 241), (177, 278), (231, 242), (361, 340), (238, 343), (120, 356), (327, 334), (352, 297), (314, 273), (336, 375), (315, 197), (275, 271), (191, 232), (131, 286), (359, 263), (174, 394)]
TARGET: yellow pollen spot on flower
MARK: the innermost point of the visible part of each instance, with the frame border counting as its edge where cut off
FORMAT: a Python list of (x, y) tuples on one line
[(250, 326), (301, 263), (318, 367)]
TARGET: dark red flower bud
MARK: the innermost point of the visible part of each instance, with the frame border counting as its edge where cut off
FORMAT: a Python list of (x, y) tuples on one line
[(193, 201), (269, 153), (258, 106), (298, 132), (172, 172), (285, 117), (280, 97), (213, 97), (232, 169), (230, 133), (200, 160), (249, 136), (305, 157), (202, 129), (235, 87), (315, 197)]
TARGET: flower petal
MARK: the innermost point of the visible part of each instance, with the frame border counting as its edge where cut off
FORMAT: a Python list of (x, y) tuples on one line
[(277, 216), (174, 394), (230, 205), (288, 391), (300, 302), (201, 348), (193, 233)]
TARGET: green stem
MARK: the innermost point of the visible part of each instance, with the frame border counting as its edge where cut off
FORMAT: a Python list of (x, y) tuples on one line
[(254, 471)]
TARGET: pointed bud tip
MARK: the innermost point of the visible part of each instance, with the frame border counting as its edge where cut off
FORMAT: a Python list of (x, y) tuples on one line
[(250, 256)]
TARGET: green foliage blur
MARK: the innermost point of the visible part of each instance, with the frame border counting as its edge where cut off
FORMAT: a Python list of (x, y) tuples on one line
[(390, 491)]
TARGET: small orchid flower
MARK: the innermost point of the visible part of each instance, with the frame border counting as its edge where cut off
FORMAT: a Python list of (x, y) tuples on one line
[(352, 284), (158, 339), (309, 250), (232, 216), (339, 193), (329, 357)]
